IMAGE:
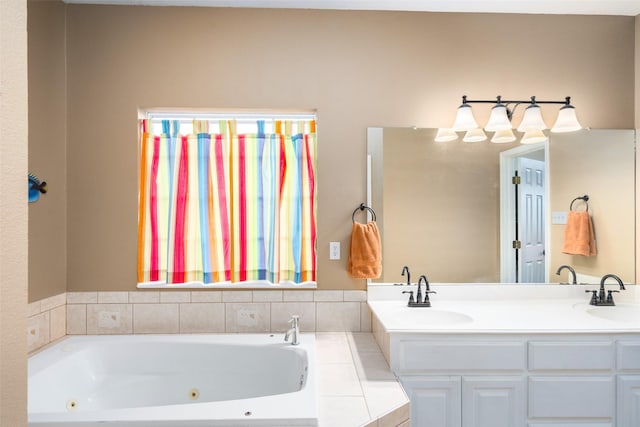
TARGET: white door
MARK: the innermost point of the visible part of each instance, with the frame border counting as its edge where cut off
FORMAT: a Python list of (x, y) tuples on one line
[(531, 224)]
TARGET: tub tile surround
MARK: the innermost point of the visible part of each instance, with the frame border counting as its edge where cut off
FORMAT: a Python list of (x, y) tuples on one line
[(215, 311), (47, 321), (355, 385)]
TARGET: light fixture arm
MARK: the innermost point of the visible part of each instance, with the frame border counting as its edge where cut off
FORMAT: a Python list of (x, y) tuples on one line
[(533, 100), (515, 103)]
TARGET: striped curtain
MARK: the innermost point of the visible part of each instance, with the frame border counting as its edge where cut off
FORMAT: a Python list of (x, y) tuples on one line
[(227, 208)]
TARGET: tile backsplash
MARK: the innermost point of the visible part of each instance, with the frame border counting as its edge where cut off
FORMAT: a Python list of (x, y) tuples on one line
[(215, 311), (211, 311), (47, 321)]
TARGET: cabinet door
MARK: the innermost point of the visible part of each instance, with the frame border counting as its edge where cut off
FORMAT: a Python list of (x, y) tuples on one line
[(493, 402), (628, 401), (578, 397), (435, 401)]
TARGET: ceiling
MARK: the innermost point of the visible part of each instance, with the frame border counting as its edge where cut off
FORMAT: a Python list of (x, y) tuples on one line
[(562, 7)]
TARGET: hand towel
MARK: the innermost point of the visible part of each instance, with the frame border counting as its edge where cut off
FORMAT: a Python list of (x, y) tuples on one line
[(579, 238), (365, 259)]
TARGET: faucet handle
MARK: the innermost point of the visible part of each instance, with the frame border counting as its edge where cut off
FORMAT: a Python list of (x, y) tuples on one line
[(294, 320), (609, 296), (594, 297), (411, 300)]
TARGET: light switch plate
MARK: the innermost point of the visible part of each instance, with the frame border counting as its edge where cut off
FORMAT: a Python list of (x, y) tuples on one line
[(558, 217), (334, 250)]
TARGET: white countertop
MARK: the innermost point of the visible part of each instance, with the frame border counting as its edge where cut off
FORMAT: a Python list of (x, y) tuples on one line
[(505, 309)]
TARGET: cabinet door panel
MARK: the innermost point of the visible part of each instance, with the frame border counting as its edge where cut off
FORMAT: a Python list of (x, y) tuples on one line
[(564, 356), (629, 401), (628, 356), (435, 401), (493, 402), (409, 356), (571, 397)]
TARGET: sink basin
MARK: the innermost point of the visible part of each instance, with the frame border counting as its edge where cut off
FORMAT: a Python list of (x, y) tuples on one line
[(620, 313), (416, 316)]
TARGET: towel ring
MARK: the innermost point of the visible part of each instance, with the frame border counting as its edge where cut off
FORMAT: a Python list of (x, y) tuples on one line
[(584, 198), (361, 208)]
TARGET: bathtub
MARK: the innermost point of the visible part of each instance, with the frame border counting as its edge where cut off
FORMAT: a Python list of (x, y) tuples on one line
[(174, 380)]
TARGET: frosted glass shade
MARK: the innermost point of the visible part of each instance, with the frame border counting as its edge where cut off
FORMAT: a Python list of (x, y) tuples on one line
[(446, 135), (464, 119), (498, 119), (503, 136), (533, 136), (532, 119), (475, 135), (566, 121)]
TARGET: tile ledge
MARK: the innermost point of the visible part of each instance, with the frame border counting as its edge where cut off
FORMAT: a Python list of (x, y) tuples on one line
[(375, 420)]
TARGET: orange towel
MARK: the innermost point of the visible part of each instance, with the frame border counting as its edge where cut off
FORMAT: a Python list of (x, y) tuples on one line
[(579, 238), (365, 259)]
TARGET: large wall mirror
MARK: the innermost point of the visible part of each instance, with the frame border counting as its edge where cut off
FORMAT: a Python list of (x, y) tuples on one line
[(445, 208)]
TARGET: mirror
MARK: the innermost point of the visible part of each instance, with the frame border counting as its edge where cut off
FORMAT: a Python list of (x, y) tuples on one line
[(439, 204)]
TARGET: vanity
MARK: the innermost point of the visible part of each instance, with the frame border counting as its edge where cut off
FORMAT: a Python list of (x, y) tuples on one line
[(498, 355)]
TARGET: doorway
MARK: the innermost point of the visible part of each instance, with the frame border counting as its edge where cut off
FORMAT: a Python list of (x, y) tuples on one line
[(524, 195)]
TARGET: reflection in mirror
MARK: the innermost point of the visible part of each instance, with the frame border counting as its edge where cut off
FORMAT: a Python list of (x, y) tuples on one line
[(439, 205)]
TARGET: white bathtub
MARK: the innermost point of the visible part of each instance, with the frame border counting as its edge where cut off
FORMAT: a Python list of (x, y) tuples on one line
[(174, 380)]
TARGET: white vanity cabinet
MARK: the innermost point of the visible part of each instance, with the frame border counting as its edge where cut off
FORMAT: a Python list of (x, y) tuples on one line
[(514, 380), (466, 401)]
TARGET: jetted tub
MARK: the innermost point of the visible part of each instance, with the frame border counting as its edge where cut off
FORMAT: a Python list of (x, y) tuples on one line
[(174, 380)]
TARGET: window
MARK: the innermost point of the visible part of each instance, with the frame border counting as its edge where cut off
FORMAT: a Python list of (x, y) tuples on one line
[(227, 201)]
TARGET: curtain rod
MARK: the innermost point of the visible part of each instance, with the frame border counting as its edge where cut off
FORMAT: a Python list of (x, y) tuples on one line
[(186, 116)]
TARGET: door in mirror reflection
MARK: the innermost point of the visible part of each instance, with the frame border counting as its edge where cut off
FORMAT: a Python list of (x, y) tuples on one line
[(531, 221)]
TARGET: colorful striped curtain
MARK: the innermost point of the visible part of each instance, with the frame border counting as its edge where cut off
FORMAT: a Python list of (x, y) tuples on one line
[(227, 208)]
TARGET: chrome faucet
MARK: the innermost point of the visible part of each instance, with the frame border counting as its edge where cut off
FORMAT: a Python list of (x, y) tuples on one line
[(573, 273), (419, 302), (294, 331), (602, 296)]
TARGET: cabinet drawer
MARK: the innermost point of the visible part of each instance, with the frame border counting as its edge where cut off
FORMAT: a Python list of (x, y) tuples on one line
[(571, 356), (426, 356), (571, 397), (629, 356)]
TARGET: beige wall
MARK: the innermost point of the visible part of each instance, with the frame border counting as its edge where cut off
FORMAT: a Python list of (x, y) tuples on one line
[(601, 164), (358, 69), (13, 213), (47, 148)]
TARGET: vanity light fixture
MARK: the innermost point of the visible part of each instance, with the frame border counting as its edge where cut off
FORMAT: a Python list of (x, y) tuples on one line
[(503, 136), (499, 122), (446, 135), (474, 135)]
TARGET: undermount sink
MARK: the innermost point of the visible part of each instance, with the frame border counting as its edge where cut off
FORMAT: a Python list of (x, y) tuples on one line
[(618, 313), (429, 316)]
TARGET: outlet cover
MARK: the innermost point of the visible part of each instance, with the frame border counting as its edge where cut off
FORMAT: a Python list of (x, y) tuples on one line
[(334, 250), (109, 319)]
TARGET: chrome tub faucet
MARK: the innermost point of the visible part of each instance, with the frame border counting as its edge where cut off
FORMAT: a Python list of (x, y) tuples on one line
[(294, 331)]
